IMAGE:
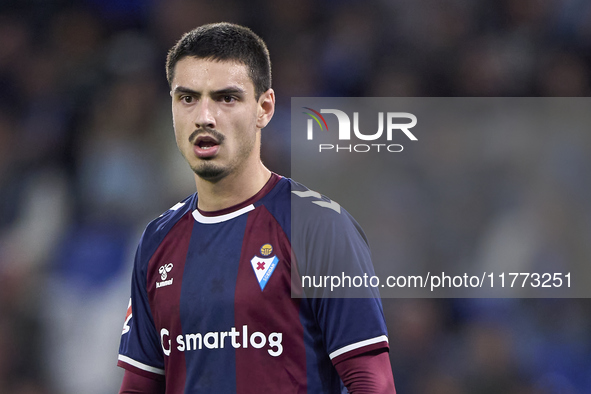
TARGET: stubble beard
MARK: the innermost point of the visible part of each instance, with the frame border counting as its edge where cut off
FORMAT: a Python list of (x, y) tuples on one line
[(207, 170)]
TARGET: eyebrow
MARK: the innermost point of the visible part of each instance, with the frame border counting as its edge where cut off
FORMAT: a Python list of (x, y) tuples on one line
[(228, 90), (182, 89)]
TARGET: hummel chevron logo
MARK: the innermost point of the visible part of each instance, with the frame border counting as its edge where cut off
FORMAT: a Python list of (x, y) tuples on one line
[(126, 326), (326, 204)]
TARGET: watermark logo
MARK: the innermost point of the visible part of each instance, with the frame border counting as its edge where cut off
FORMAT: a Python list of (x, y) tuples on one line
[(389, 123), (314, 116)]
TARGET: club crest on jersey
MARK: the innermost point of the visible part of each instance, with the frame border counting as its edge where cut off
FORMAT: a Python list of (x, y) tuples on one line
[(163, 271), (266, 249), (264, 267)]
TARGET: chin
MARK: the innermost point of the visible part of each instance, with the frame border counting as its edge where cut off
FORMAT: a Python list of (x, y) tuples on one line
[(209, 172)]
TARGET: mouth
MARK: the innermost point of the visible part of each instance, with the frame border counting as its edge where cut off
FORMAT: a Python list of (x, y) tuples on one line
[(206, 146), (206, 141)]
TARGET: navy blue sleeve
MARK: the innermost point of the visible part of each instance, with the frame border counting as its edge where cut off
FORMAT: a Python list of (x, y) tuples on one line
[(335, 268), (140, 351)]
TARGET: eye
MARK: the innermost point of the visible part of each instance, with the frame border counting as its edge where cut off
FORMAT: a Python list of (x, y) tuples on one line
[(187, 99), (228, 99)]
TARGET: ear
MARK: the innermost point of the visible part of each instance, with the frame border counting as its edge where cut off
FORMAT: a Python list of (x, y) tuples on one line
[(266, 108)]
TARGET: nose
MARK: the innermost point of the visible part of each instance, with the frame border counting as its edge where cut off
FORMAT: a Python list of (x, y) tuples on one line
[(204, 117)]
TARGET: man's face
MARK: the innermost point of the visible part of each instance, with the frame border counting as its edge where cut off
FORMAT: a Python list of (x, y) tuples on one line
[(216, 116)]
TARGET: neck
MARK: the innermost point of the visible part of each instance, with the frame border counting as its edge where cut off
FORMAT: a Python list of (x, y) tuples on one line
[(232, 189)]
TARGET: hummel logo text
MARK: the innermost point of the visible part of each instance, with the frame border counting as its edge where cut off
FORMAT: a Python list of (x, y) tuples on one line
[(164, 270)]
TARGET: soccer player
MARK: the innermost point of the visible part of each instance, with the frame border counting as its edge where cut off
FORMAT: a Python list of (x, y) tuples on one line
[(214, 306)]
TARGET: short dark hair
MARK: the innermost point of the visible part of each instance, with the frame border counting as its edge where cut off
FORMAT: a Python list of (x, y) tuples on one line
[(225, 42)]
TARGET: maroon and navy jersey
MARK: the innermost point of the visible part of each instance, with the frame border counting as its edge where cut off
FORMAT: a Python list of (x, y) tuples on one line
[(212, 307)]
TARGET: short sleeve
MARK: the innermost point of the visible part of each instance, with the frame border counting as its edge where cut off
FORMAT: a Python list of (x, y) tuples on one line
[(335, 270), (140, 350)]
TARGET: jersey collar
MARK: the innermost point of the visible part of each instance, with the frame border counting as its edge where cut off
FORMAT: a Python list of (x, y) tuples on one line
[(212, 217)]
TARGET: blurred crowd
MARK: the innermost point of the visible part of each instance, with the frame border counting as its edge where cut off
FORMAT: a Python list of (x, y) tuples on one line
[(87, 158)]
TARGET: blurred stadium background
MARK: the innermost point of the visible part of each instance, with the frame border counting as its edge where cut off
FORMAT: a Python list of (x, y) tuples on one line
[(87, 158)]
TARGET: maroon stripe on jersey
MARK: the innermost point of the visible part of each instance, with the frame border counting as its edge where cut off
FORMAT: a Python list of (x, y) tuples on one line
[(164, 280), (139, 371), (361, 350), (268, 313)]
